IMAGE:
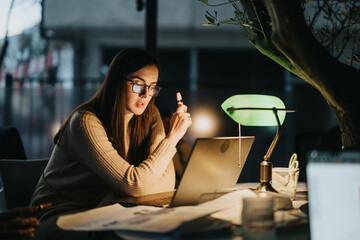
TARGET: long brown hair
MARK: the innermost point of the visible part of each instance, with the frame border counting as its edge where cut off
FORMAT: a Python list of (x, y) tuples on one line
[(108, 104)]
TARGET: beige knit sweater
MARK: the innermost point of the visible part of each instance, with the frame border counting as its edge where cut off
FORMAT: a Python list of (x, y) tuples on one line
[(84, 167)]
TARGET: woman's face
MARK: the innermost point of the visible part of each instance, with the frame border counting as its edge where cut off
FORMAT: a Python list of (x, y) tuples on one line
[(136, 103)]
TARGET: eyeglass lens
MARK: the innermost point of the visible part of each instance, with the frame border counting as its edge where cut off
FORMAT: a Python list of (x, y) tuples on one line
[(140, 88)]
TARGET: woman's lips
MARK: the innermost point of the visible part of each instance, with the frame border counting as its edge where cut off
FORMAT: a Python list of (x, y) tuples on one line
[(140, 104)]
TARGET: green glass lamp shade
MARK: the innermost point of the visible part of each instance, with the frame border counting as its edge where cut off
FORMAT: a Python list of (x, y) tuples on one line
[(248, 109)]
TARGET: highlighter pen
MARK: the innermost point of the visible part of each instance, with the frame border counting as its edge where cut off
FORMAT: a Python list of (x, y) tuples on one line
[(179, 98)]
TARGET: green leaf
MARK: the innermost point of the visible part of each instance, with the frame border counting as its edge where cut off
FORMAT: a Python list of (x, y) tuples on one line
[(209, 18)]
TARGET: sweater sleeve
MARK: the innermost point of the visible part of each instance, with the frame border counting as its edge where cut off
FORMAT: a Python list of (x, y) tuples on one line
[(89, 142)]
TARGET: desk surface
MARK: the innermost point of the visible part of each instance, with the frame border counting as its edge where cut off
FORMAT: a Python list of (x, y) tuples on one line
[(201, 227), (296, 232), (234, 233)]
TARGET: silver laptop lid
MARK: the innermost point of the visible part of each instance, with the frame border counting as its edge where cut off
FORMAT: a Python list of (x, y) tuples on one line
[(212, 166)]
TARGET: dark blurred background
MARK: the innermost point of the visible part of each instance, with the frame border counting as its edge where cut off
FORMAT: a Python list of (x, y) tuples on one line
[(59, 62)]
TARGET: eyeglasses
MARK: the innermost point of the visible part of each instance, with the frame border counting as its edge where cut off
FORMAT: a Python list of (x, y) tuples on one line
[(139, 87)]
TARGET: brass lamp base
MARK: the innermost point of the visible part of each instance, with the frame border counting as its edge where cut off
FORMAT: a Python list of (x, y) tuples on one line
[(265, 176), (265, 187)]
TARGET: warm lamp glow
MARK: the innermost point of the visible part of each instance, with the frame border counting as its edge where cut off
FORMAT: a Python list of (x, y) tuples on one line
[(204, 123)]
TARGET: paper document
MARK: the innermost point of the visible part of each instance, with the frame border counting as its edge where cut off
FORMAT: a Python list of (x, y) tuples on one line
[(146, 218)]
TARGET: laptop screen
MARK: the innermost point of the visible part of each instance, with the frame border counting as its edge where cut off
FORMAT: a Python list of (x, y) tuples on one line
[(212, 166), (334, 194)]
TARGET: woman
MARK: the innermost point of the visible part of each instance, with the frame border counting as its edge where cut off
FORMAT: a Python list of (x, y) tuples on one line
[(113, 143)]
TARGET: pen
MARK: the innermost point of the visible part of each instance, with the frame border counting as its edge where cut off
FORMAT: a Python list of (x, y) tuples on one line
[(179, 98)]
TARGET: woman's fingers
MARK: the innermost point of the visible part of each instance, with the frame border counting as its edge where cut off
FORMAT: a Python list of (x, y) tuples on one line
[(181, 120), (185, 116), (23, 222), (24, 212), (19, 228), (181, 108), (18, 233), (182, 115)]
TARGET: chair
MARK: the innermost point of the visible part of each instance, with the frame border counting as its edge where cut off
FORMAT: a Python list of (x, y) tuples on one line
[(18, 179), (11, 146)]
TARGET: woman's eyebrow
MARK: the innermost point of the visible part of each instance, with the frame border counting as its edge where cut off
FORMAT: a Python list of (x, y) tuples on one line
[(142, 79), (138, 78)]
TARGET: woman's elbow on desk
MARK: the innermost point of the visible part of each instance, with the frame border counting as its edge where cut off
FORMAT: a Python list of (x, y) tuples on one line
[(133, 185)]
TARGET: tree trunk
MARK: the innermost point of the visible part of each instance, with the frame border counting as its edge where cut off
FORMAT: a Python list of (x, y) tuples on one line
[(260, 38), (337, 82)]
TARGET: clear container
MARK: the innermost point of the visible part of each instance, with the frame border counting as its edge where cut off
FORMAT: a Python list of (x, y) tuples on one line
[(285, 180), (257, 218)]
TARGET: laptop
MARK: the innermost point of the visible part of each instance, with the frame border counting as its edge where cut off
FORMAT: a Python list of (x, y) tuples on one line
[(212, 169), (334, 194)]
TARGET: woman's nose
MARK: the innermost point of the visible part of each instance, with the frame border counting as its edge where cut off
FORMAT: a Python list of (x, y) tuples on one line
[(145, 92)]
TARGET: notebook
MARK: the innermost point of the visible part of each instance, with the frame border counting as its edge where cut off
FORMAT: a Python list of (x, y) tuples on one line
[(211, 170), (334, 194)]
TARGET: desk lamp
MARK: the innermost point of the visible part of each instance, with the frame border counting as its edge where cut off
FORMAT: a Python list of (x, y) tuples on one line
[(258, 110)]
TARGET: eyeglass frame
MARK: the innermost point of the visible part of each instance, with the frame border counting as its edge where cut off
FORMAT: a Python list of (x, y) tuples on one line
[(143, 87)]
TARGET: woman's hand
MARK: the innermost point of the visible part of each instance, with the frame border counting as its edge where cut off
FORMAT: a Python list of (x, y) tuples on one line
[(179, 123), (20, 223)]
